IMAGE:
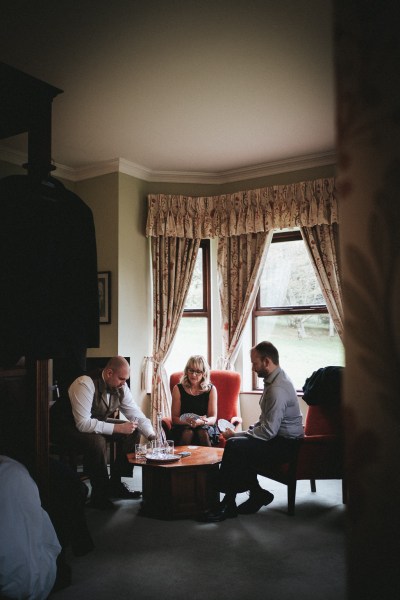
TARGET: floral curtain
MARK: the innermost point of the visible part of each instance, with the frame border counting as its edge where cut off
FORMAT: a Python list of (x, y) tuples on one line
[(322, 242), (240, 262), (173, 262), (307, 204)]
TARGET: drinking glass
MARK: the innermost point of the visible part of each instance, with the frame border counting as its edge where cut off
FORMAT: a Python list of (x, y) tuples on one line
[(169, 448), (140, 452), (156, 449)]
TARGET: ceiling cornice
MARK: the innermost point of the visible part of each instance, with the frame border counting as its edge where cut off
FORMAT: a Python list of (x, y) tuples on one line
[(120, 165)]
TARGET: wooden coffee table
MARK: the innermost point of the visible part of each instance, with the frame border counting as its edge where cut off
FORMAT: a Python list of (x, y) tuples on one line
[(183, 488)]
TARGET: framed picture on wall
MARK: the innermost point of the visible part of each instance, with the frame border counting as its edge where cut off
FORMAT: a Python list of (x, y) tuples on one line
[(104, 286)]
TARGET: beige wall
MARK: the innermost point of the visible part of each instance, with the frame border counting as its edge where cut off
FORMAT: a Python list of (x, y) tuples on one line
[(101, 195), (134, 304), (117, 203), (7, 169), (250, 409)]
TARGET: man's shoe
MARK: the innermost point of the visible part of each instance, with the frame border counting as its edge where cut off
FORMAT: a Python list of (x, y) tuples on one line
[(121, 490), (223, 512), (101, 503), (255, 502)]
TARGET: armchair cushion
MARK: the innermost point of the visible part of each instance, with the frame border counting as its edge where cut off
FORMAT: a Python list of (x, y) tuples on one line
[(167, 424)]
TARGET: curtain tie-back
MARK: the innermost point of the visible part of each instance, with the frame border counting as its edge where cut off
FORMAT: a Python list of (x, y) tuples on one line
[(145, 377), (224, 364)]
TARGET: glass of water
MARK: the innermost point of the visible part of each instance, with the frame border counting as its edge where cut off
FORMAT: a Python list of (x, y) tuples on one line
[(169, 448), (140, 452)]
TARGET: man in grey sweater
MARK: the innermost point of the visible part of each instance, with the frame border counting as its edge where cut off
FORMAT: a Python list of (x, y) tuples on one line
[(271, 440)]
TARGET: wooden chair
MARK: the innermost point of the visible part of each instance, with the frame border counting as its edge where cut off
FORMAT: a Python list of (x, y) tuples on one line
[(319, 455), (228, 388)]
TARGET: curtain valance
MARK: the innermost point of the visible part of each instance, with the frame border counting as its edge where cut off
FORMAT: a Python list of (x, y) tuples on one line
[(307, 203)]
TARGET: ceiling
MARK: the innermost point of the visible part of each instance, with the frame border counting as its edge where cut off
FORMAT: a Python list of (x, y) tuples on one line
[(196, 87)]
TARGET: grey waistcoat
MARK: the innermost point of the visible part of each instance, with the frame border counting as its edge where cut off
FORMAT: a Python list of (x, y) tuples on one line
[(100, 408)]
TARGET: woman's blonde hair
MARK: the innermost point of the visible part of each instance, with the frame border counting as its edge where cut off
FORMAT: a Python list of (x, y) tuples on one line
[(198, 363)]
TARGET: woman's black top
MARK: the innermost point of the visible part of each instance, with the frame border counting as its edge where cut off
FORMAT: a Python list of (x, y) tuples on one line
[(194, 404), (199, 406)]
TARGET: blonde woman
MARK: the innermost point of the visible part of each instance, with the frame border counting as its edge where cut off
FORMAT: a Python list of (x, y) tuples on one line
[(195, 394)]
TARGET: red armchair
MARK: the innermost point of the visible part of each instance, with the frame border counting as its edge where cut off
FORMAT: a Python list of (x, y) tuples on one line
[(319, 454), (228, 388)]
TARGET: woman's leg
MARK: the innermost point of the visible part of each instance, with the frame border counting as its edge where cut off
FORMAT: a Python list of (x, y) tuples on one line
[(186, 437), (202, 437)]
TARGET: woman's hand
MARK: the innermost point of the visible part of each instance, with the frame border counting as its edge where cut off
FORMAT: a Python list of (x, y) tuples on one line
[(195, 422)]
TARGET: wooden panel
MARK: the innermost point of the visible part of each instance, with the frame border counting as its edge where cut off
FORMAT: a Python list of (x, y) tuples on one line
[(43, 370)]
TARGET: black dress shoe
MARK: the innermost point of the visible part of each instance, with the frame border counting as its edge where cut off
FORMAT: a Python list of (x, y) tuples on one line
[(255, 502), (223, 512), (121, 490)]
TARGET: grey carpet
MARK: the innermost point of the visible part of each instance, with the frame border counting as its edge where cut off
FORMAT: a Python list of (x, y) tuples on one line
[(263, 556)]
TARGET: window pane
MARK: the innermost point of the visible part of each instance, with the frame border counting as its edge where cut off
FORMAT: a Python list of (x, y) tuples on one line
[(191, 338), (288, 278), (194, 299), (305, 343)]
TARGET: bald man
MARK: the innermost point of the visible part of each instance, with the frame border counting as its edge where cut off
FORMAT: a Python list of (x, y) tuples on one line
[(94, 399)]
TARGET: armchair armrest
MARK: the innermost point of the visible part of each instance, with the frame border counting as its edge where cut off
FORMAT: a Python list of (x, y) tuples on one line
[(167, 424), (318, 439)]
